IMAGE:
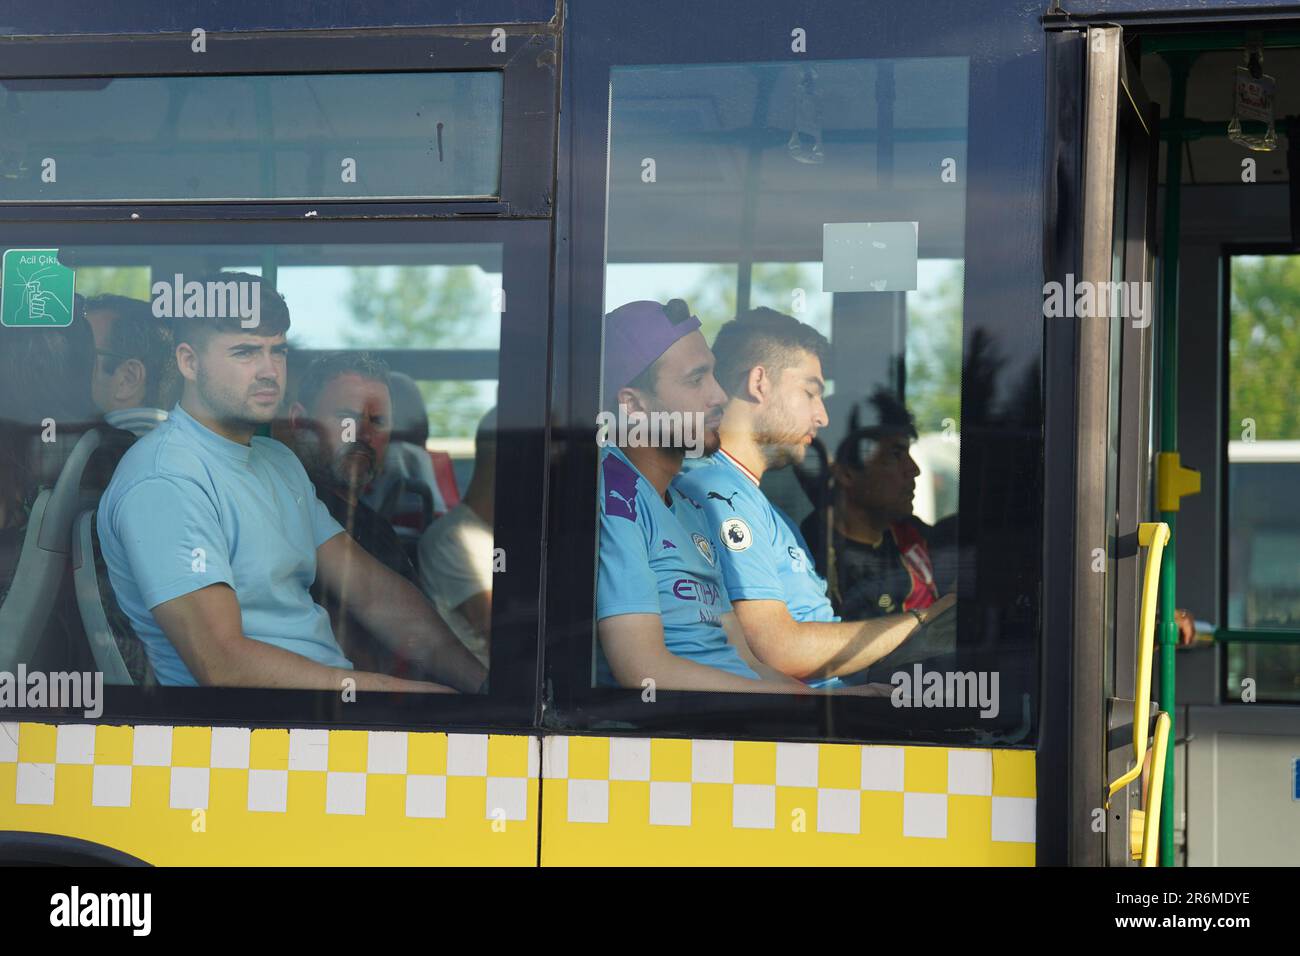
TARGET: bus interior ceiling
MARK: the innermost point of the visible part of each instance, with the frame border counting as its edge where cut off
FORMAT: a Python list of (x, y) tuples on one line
[(1228, 206)]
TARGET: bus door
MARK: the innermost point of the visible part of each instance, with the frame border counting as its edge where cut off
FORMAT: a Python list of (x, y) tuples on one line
[(1106, 309)]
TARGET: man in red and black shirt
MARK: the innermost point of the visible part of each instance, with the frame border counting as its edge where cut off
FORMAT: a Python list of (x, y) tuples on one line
[(878, 558)]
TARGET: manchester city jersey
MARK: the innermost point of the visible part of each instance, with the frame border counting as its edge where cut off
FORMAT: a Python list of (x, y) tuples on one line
[(657, 559), (762, 553)]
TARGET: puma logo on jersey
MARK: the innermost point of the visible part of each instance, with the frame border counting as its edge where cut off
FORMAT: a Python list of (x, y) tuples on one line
[(714, 494)]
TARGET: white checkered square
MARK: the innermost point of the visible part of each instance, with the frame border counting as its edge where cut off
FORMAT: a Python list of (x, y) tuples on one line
[(1014, 820), (588, 801), (925, 815), (467, 755), (35, 784), (268, 791), (189, 788), (151, 746), (796, 765), (345, 793), (970, 772), (309, 749), (670, 804), (75, 743), (8, 742), (629, 758), (839, 811), (753, 806), (555, 758), (508, 795), (882, 768), (110, 786), (712, 761), (386, 751), (426, 796), (230, 748)]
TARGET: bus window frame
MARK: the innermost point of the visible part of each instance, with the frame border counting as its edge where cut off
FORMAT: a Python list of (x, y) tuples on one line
[(529, 75), (512, 702), (573, 705)]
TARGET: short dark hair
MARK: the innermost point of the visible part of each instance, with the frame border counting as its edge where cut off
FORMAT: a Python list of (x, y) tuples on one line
[(328, 367), (273, 313), (764, 337), (878, 416), (135, 333)]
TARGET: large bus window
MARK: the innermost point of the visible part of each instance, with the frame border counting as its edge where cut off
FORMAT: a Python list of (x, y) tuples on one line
[(435, 135), (1262, 534), (826, 524), (305, 439), (781, 405)]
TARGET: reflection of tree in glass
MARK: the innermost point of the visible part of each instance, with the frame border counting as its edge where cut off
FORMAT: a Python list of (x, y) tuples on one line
[(934, 352), (130, 281), (417, 307), (713, 298), (1264, 347)]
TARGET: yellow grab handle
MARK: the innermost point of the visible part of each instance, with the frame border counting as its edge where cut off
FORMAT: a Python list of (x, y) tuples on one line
[(1152, 535), (1155, 790)]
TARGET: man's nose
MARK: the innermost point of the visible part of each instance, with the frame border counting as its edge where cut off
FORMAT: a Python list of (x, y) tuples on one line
[(913, 469), (717, 397), (821, 417)]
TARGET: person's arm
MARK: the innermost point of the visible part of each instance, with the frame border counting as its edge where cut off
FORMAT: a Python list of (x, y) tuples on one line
[(477, 611), (634, 646), (736, 638), (205, 628), (395, 611), (815, 649)]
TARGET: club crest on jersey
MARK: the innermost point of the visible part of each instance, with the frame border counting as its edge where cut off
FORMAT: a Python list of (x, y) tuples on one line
[(706, 549), (735, 534)]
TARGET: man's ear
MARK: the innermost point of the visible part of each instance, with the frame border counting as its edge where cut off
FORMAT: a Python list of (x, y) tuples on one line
[(631, 398), (758, 384), (187, 361), (130, 376), (297, 412)]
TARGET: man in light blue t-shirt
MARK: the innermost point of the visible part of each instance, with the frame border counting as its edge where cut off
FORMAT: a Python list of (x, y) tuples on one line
[(771, 366), (213, 535), (661, 607)]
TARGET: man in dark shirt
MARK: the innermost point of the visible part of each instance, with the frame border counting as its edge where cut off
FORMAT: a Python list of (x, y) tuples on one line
[(881, 558), (339, 426)]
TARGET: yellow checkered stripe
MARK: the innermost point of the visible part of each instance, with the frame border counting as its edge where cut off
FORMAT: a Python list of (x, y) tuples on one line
[(626, 801), (234, 796), (229, 795)]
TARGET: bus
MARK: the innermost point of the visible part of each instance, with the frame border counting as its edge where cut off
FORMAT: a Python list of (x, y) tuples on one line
[(1048, 256)]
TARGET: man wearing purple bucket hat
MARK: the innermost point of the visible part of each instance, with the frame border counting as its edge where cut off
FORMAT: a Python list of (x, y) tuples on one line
[(662, 609)]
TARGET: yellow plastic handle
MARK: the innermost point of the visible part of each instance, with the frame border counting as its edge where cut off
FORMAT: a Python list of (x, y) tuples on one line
[(1152, 535), (1155, 790)]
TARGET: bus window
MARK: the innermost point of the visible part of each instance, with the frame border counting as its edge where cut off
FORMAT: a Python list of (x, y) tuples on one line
[(782, 383), (1263, 463), (280, 137), (304, 493)]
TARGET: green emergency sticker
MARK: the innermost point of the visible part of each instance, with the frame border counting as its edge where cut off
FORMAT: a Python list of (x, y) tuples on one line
[(37, 289)]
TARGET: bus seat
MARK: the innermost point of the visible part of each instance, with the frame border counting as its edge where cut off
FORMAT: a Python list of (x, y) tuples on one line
[(43, 561), (104, 643)]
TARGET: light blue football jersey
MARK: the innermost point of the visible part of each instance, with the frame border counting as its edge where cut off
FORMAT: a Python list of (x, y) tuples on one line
[(657, 559)]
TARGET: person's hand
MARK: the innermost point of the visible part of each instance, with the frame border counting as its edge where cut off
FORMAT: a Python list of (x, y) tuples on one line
[(1186, 626)]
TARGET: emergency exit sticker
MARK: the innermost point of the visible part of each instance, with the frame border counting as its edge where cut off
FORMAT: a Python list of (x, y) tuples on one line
[(35, 289), (869, 256)]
